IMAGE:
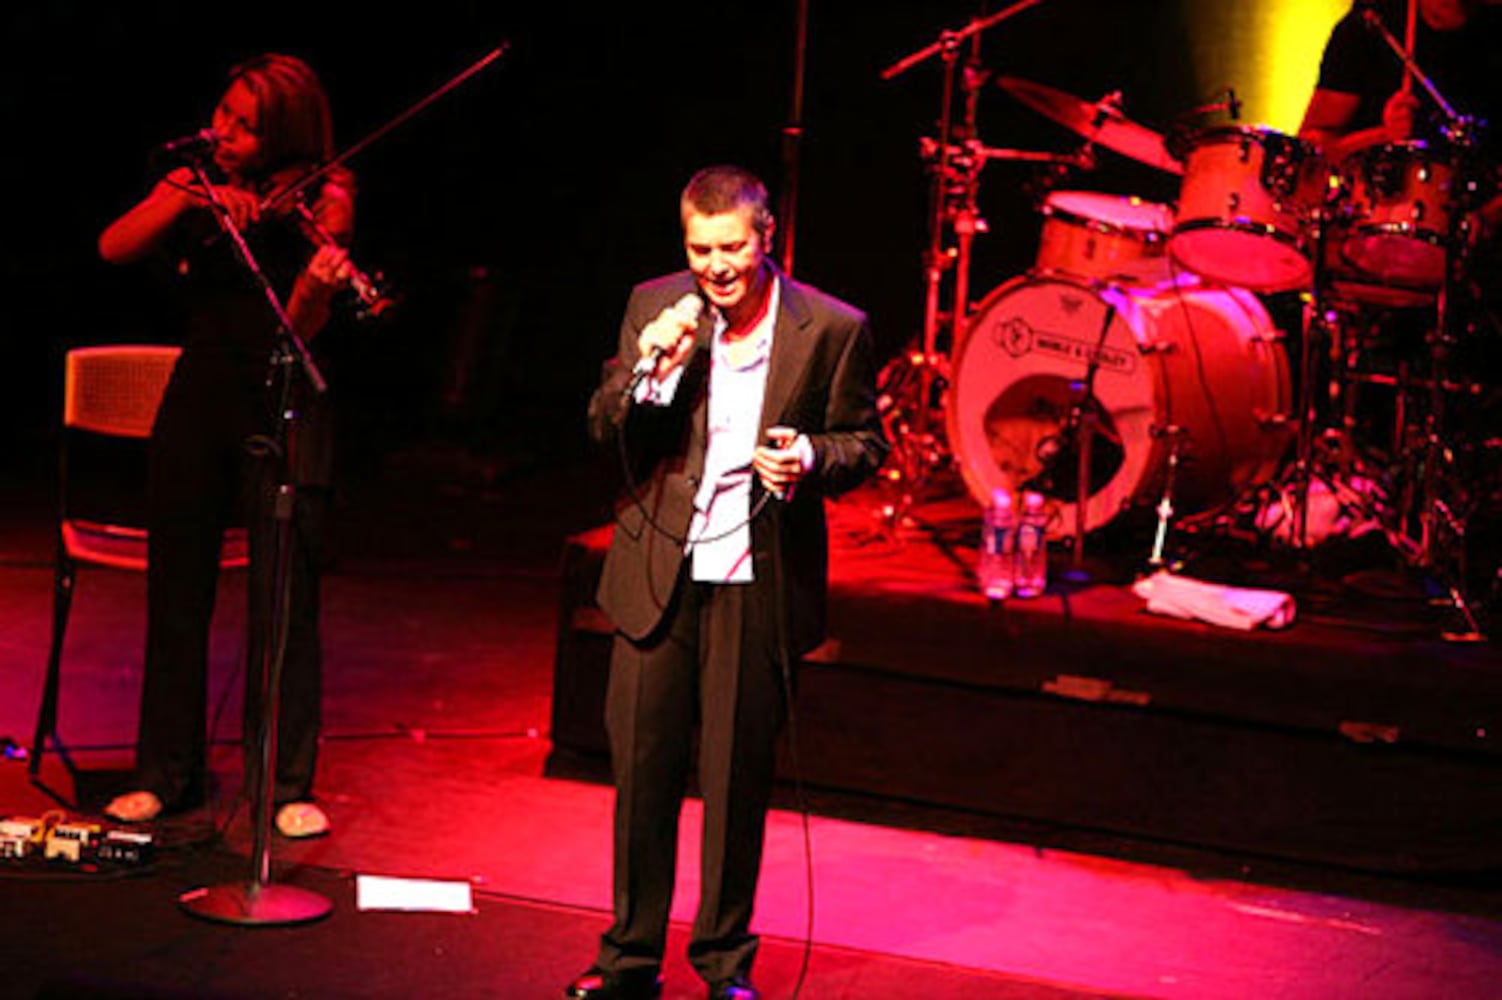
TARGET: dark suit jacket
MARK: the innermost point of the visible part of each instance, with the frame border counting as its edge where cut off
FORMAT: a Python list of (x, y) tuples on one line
[(821, 380)]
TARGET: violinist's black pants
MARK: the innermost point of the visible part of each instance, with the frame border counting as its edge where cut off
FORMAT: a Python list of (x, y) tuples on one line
[(202, 480)]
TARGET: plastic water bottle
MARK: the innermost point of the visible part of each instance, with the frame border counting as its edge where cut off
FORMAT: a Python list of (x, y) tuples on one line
[(995, 569), (1031, 577)]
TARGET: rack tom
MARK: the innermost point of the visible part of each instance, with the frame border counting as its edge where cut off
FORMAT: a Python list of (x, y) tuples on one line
[(1401, 198), (1244, 205)]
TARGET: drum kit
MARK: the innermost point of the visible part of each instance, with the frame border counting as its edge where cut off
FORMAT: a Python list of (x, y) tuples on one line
[(1135, 365)]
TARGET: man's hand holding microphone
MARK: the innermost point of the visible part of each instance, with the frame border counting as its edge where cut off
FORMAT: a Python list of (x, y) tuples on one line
[(665, 343), (781, 461)]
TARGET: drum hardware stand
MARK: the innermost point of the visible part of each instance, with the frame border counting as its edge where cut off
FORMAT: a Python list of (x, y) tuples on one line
[(1351, 380), (1456, 598), (1436, 515), (1461, 131), (1315, 321), (954, 171), (1164, 509)]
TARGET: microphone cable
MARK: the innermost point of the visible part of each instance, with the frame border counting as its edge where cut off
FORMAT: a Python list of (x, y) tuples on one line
[(634, 493), (800, 795)]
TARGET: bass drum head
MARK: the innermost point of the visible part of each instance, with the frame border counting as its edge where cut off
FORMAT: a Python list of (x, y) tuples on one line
[(1204, 362)]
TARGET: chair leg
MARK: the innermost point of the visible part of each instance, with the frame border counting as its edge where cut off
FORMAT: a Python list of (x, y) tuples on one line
[(62, 603)]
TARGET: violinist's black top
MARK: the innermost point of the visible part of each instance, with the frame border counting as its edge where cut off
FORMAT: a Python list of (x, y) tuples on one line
[(228, 329)]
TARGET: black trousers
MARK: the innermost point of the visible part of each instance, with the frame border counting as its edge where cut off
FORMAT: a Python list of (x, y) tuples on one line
[(201, 480), (714, 663)]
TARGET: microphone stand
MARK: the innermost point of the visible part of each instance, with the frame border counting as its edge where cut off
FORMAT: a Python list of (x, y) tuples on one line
[(258, 902), (1080, 432)]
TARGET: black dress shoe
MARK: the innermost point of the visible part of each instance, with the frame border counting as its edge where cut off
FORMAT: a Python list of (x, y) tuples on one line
[(632, 984), (734, 988)]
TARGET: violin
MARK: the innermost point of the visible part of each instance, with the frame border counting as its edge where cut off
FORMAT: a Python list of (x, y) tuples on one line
[(371, 292), (284, 194)]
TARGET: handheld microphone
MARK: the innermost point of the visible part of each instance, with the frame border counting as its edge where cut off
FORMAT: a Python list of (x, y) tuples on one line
[(688, 309), (200, 143)]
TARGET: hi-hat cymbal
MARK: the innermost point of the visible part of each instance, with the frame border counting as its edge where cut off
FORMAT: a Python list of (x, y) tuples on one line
[(1101, 122)]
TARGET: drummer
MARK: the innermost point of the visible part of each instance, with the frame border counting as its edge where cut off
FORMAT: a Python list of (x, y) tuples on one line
[(1362, 100)]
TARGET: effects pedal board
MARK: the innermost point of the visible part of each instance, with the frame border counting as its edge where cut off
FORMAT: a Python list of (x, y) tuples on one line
[(53, 837)]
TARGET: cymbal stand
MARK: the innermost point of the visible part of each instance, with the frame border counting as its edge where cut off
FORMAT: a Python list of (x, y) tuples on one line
[(912, 381), (955, 159)]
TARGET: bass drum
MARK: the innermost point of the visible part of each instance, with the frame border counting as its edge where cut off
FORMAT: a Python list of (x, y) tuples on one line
[(1199, 366)]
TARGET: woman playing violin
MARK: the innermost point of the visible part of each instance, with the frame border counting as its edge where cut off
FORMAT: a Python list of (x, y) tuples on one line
[(271, 127)]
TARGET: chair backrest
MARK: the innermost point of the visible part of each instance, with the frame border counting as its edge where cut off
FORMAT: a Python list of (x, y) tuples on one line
[(115, 389)]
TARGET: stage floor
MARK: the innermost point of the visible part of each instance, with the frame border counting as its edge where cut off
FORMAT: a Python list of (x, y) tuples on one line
[(438, 761)]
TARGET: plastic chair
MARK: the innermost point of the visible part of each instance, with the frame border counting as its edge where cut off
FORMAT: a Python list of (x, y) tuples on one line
[(109, 392)]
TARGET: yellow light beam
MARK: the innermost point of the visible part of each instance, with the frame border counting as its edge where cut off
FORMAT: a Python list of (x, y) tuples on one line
[(1269, 50)]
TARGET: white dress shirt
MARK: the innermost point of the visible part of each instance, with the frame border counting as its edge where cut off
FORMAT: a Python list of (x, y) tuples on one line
[(719, 536)]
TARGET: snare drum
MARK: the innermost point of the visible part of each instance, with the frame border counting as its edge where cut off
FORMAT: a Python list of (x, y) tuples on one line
[(1200, 369), (1242, 209), (1106, 237), (1400, 202)]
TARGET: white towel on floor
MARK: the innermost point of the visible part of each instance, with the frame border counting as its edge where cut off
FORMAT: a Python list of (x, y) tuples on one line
[(1218, 604)]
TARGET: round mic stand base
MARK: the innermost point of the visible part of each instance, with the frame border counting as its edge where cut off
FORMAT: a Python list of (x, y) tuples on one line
[(251, 903)]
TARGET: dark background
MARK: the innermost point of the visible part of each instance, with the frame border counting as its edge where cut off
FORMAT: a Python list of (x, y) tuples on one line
[(514, 215)]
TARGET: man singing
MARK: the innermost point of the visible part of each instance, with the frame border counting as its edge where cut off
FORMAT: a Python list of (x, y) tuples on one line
[(754, 410)]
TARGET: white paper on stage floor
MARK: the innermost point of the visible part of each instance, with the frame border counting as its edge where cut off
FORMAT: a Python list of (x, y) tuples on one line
[(384, 892)]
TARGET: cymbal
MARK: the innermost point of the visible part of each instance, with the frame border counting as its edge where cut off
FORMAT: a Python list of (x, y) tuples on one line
[(1101, 122)]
